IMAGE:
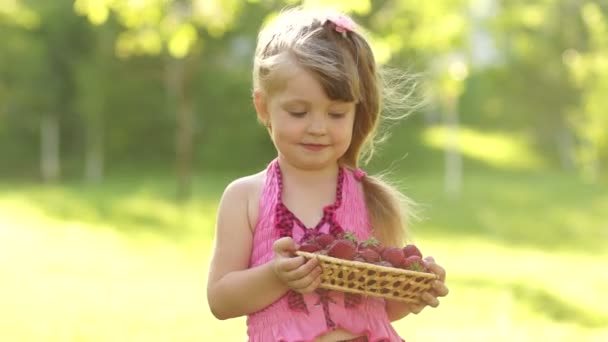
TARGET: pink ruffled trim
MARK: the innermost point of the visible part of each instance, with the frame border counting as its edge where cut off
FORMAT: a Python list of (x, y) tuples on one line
[(373, 327)]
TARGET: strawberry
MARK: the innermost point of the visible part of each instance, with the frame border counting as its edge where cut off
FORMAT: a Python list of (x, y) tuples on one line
[(369, 255), (324, 240), (310, 247), (414, 263), (410, 250), (394, 255), (370, 242), (374, 244), (379, 249), (343, 249), (350, 236)]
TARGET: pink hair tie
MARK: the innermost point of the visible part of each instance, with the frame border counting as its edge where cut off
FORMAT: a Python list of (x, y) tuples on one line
[(359, 174), (342, 23)]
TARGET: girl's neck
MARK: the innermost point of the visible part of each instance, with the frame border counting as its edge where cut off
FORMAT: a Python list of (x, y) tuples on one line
[(308, 176)]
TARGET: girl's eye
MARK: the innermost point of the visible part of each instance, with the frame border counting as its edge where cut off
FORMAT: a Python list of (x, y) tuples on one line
[(337, 115), (297, 114)]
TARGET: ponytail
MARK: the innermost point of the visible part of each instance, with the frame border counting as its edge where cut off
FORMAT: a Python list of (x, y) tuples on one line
[(388, 209)]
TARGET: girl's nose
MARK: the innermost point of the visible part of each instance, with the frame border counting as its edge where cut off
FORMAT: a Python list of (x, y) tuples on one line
[(318, 125)]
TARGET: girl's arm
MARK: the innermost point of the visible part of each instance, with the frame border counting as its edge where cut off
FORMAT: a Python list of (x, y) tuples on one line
[(397, 309), (233, 288)]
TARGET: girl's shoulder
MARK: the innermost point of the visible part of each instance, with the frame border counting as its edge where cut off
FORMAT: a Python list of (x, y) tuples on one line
[(246, 190), (246, 184)]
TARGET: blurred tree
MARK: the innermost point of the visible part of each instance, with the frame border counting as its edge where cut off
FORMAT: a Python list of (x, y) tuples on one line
[(74, 94), (176, 29), (170, 28), (49, 37), (92, 73), (431, 36), (589, 68), (547, 44)]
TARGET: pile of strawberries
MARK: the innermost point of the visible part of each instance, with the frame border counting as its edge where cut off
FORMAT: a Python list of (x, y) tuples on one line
[(370, 251)]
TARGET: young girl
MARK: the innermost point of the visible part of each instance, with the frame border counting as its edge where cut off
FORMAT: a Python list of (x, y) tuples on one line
[(317, 91)]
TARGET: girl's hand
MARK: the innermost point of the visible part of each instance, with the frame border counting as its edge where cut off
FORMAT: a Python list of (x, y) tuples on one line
[(438, 288), (294, 271)]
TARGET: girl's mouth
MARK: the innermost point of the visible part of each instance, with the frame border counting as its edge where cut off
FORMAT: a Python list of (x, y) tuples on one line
[(314, 147)]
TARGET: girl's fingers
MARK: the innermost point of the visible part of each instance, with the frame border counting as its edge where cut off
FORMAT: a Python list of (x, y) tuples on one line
[(430, 299), (312, 286), (308, 281), (305, 269), (284, 246), (439, 289), (288, 265), (435, 268), (416, 308)]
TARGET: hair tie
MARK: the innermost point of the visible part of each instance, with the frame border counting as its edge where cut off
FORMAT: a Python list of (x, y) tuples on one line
[(342, 23), (359, 174)]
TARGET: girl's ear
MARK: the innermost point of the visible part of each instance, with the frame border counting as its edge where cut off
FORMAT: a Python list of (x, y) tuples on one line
[(261, 107)]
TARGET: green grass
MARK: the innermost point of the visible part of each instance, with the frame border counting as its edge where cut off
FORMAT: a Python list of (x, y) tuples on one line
[(525, 256)]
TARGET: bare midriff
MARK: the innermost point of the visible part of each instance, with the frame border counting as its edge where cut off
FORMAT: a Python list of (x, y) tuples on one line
[(336, 335)]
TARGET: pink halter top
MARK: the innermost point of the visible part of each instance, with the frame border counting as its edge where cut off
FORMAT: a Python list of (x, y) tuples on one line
[(304, 317)]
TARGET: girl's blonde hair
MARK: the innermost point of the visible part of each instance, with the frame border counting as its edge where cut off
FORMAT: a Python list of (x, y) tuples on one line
[(346, 68)]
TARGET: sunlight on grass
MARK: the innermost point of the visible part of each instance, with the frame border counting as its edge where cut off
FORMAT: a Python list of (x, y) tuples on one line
[(495, 149), (138, 211), (546, 211), (69, 281), (505, 293), (126, 263), (506, 288)]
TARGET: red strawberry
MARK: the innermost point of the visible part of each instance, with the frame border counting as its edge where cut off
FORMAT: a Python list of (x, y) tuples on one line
[(414, 263), (379, 249), (370, 242), (410, 250), (374, 244), (310, 247), (394, 255), (324, 240), (350, 236), (343, 249), (369, 255)]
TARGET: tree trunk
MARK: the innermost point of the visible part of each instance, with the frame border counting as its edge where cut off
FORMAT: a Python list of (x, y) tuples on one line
[(94, 159), (184, 148), (590, 156), (179, 74), (566, 147), (49, 148), (94, 81), (453, 157)]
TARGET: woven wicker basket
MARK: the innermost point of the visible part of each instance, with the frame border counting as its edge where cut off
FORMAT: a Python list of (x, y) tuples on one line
[(372, 280)]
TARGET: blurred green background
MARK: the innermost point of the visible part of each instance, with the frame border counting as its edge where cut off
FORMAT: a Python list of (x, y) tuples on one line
[(121, 122)]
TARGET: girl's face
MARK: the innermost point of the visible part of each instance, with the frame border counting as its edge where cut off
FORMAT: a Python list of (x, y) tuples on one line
[(308, 129)]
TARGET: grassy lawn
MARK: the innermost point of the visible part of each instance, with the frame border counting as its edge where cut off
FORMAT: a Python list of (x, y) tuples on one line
[(525, 256)]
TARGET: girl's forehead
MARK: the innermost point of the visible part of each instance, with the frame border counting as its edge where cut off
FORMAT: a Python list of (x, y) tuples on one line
[(301, 81), (300, 86), (294, 80)]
